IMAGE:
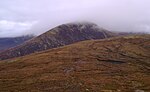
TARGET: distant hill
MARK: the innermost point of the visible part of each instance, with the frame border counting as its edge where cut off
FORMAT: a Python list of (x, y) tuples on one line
[(59, 36), (6, 43), (120, 64)]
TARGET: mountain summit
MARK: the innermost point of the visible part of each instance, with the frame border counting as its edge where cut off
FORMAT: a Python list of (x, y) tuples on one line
[(59, 36)]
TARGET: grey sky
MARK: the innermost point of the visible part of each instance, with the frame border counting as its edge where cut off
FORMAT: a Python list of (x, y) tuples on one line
[(21, 17)]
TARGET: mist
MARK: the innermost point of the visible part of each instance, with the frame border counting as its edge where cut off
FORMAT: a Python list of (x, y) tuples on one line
[(23, 17)]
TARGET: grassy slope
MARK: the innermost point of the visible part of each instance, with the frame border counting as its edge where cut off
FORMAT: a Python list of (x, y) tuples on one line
[(118, 64)]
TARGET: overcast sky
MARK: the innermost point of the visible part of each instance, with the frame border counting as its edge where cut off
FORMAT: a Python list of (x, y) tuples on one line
[(21, 17)]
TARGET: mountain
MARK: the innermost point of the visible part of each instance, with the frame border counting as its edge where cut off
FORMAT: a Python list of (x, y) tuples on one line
[(6, 43), (59, 36), (120, 64)]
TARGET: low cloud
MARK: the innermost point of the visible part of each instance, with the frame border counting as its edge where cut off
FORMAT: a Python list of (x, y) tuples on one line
[(13, 28), (19, 17)]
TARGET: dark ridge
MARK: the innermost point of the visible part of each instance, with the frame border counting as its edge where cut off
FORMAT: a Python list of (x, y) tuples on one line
[(9, 42)]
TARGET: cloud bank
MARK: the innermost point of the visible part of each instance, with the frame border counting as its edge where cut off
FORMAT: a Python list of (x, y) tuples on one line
[(21, 17)]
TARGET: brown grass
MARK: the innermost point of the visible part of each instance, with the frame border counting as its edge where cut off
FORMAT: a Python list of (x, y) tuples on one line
[(112, 65)]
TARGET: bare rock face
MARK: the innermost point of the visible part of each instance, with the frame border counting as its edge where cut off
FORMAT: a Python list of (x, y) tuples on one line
[(59, 36)]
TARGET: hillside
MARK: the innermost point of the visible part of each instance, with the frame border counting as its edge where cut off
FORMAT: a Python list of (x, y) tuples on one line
[(119, 64), (59, 36), (6, 43)]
